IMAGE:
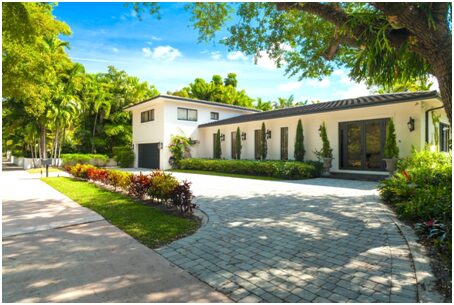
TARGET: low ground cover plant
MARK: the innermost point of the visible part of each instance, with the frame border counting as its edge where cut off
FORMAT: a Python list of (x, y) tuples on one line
[(421, 192), (93, 159), (159, 186), (278, 169)]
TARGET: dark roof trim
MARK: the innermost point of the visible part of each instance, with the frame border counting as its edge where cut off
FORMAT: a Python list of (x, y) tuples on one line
[(364, 101), (184, 99)]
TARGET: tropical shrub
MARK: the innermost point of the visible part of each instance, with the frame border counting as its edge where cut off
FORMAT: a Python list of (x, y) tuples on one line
[(93, 159), (124, 156), (326, 151), (139, 185), (117, 178), (179, 147), (158, 185), (80, 170), (391, 150), (278, 169), (182, 197), (421, 191), (162, 186), (98, 174), (299, 143), (217, 151)]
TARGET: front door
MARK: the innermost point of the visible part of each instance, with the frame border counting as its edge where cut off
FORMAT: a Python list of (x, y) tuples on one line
[(362, 144)]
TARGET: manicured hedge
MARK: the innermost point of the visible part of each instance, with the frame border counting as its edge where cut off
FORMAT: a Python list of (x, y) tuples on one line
[(93, 159), (278, 169), (124, 156), (159, 186)]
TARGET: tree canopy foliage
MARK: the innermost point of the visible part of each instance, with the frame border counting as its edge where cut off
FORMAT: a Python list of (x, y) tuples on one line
[(381, 43), (49, 102)]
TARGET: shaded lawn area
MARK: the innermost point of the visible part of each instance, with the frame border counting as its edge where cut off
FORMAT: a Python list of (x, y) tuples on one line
[(201, 172), (150, 226), (39, 169)]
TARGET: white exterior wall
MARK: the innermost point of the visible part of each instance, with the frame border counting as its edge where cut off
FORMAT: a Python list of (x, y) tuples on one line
[(399, 112), (166, 124)]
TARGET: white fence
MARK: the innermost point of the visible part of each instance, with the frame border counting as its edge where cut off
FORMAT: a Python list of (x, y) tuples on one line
[(27, 163)]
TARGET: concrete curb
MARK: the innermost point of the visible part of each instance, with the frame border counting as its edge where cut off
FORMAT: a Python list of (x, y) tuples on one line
[(425, 279)]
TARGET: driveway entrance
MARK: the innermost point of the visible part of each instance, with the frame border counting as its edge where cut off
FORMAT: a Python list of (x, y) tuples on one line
[(318, 240)]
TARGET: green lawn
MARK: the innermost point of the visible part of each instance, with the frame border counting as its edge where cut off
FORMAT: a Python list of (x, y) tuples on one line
[(39, 169), (194, 171), (149, 225)]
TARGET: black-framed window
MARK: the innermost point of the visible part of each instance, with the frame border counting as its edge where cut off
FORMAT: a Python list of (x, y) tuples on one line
[(257, 134), (185, 114), (214, 115), (284, 143), (444, 137), (147, 116), (233, 144)]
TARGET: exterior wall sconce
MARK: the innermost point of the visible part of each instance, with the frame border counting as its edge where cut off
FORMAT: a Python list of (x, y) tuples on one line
[(161, 146), (222, 137), (268, 134), (191, 141), (243, 136), (411, 124)]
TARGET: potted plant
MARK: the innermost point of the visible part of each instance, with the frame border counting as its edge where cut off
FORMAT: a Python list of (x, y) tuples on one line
[(327, 152), (391, 151)]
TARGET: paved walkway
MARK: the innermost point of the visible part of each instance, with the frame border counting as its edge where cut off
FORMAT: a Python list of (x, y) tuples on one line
[(57, 251), (318, 240)]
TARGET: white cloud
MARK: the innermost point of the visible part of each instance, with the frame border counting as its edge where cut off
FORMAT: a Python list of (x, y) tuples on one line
[(264, 61), (165, 53), (324, 83), (115, 50), (155, 38), (216, 55), (237, 55), (289, 86), (147, 52)]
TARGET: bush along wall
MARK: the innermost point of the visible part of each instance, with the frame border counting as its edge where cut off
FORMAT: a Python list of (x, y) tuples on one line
[(421, 192), (278, 169), (93, 159), (158, 186)]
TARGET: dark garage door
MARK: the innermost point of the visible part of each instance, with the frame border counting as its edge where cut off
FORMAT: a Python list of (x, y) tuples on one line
[(149, 155)]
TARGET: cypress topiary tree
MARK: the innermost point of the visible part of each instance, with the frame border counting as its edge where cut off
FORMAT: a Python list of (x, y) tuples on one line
[(263, 144), (238, 144), (327, 151), (391, 150), (299, 143), (217, 146)]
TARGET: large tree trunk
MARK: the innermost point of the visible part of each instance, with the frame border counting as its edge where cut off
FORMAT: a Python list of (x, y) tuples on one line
[(43, 132), (55, 148), (61, 144), (93, 135), (442, 69)]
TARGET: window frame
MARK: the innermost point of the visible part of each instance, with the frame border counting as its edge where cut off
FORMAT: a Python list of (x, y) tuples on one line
[(216, 115), (444, 137), (145, 116), (187, 117)]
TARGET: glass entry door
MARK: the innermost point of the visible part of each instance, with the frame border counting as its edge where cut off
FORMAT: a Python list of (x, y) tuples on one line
[(361, 144)]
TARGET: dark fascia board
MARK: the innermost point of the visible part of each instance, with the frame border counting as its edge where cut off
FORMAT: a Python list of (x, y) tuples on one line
[(184, 99), (287, 112)]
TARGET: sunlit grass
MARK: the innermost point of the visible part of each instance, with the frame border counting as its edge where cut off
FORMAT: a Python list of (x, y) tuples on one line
[(43, 169), (149, 225)]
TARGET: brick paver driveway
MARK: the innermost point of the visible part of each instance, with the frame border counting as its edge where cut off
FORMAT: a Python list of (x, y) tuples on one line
[(318, 240)]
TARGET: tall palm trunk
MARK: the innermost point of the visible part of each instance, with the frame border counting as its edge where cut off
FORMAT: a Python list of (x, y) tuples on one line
[(55, 148), (43, 132), (93, 135), (61, 144)]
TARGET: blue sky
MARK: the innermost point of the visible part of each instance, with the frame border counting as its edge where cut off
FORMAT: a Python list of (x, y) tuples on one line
[(166, 53)]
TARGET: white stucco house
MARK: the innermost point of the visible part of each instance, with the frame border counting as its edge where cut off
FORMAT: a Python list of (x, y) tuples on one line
[(356, 128)]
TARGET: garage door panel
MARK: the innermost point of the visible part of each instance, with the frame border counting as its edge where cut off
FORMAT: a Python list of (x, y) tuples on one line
[(149, 155)]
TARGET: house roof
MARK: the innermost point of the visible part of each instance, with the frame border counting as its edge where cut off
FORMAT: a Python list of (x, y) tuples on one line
[(184, 99), (363, 101)]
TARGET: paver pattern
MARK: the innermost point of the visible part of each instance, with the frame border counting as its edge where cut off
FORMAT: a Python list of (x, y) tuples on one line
[(318, 240)]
